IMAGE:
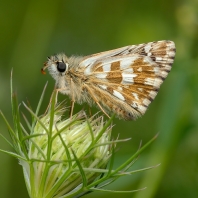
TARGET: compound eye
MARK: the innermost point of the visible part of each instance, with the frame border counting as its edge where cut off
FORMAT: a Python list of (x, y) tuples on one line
[(61, 66)]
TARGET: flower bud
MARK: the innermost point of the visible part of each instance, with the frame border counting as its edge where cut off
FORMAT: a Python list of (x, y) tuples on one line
[(65, 156)]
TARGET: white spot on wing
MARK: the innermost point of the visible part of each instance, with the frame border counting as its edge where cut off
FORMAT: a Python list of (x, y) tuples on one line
[(128, 70), (139, 107), (156, 70), (119, 88), (128, 78), (134, 105), (103, 87), (106, 67), (147, 48), (101, 75), (156, 82), (171, 53), (118, 95), (152, 94), (167, 67), (146, 102), (135, 96), (158, 58), (139, 69), (142, 109), (125, 63), (88, 71), (164, 74)]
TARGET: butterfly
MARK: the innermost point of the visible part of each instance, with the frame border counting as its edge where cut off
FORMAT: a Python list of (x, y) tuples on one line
[(123, 81)]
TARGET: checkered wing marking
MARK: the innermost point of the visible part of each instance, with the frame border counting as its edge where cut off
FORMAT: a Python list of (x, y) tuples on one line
[(129, 78)]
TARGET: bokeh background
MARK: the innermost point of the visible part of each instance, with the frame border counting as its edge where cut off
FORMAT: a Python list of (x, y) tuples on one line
[(32, 30)]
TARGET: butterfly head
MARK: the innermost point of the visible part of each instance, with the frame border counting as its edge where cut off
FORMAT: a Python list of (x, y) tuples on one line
[(57, 66)]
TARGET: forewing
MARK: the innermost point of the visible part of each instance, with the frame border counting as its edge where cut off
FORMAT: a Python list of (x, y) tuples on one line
[(130, 76)]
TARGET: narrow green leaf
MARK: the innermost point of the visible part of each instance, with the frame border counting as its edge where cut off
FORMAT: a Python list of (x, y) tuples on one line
[(39, 105), (116, 191), (83, 175), (13, 154), (135, 155)]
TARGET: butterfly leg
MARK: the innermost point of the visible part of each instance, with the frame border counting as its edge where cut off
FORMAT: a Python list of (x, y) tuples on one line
[(72, 98), (96, 101), (71, 108), (72, 102), (102, 109)]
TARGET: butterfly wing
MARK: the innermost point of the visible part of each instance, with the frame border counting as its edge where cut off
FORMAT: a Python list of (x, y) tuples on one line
[(126, 80)]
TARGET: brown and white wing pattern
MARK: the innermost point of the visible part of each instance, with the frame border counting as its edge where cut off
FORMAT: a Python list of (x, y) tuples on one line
[(125, 80)]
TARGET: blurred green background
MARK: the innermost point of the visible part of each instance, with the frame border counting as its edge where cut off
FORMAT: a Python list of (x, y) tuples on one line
[(32, 30)]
